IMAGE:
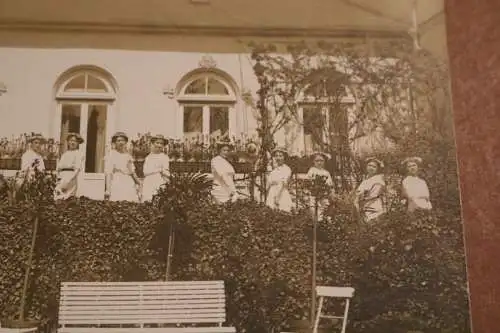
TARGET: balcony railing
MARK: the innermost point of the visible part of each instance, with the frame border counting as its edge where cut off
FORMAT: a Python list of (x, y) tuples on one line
[(298, 166)]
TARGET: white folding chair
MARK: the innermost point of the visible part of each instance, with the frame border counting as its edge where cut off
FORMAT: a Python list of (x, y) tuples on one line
[(345, 293)]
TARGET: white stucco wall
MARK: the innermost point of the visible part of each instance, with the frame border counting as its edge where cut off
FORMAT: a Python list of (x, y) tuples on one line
[(141, 76)]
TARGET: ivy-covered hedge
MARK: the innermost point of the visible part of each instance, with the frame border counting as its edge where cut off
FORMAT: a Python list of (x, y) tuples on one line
[(408, 271)]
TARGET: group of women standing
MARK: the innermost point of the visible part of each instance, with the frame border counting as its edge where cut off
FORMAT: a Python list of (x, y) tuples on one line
[(370, 194), (121, 180), (369, 198), (122, 183)]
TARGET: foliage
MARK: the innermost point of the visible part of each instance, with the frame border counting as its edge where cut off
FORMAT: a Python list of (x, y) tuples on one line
[(181, 192), (82, 240), (15, 146), (399, 97), (194, 149), (318, 187), (408, 271)]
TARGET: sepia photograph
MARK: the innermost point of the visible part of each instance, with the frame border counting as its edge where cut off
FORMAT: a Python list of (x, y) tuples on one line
[(214, 166)]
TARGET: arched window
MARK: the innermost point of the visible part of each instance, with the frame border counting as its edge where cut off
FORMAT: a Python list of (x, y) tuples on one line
[(206, 102), (323, 110), (85, 97)]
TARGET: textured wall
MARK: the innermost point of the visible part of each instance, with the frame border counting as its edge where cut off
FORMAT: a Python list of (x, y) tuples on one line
[(474, 48)]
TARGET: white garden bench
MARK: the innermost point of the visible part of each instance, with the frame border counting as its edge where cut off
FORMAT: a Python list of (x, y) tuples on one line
[(149, 307)]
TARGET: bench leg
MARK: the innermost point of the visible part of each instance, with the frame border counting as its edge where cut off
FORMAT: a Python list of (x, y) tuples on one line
[(346, 312), (318, 315)]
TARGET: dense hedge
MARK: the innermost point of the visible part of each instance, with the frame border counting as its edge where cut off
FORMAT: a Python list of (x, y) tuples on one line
[(408, 271)]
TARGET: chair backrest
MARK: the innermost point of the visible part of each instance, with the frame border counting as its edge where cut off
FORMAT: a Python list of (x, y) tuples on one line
[(132, 303), (340, 292)]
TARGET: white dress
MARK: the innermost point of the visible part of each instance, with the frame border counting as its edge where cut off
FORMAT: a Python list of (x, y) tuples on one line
[(324, 202), (120, 166), (372, 203), (417, 193), (278, 192), (223, 180), (29, 160), (154, 166), (68, 167)]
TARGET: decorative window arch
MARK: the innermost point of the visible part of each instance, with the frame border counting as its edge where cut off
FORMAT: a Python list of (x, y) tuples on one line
[(84, 82), (85, 98), (207, 99)]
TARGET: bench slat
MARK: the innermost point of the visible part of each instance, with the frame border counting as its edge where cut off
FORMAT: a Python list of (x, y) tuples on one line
[(147, 330), (69, 298), (179, 284), (124, 302), (142, 320), (142, 287), (142, 303), (102, 313), (145, 306), (144, 292)]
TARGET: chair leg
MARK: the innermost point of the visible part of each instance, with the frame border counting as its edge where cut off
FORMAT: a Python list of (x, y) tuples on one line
[(318, 315), (346, 311)]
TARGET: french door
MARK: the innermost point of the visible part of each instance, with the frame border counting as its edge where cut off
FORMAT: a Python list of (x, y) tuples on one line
[(93, 121)]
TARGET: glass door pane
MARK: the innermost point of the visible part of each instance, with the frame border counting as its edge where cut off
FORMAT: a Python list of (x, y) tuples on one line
[(70, 122), (193, 121), (314, 128), (96, 138), (219, 120)]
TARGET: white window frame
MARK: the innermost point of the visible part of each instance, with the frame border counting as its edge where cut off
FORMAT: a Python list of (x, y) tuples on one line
[(85, 99), (306, 103), (207, 101)]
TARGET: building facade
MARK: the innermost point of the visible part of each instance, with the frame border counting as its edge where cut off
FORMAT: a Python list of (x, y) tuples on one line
[(103, 76)]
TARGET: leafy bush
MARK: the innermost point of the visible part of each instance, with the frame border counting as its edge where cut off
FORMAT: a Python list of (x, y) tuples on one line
[(408, 272), (78, 240)]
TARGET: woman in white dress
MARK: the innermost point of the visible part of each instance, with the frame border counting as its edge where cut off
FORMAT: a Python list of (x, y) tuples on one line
[(156, 168), (278, 195), (414, 188), (122, 184), (318, 169), (31, 160), (369, 200), (68, 168), (223, 189)]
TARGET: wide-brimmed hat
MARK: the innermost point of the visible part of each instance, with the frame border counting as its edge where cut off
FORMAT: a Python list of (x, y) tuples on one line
[(280, 150), (252, 146), (159, 137), (224, 143), (414, 159), (77, 136), (376, 160), (38, 137), (119, 135), (326, 156)]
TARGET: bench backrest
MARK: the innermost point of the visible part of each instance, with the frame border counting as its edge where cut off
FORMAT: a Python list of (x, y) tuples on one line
[(139, 303)]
